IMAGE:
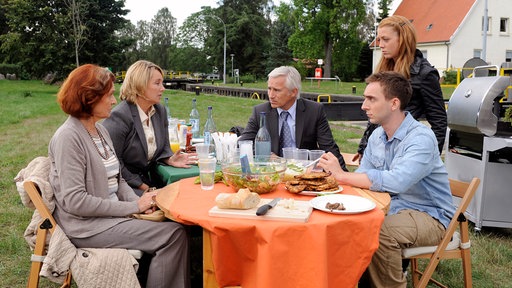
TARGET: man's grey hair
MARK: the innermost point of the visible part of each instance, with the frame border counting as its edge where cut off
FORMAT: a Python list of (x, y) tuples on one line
[(293, 79)]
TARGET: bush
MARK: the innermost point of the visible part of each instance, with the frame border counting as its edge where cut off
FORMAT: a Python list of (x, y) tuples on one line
[(248, 78), (450, 77), (10, 69), (15, 69)]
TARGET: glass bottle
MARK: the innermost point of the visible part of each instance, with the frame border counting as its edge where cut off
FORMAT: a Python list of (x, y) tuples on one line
[(167, 109), (209, 127), (262, 140), (194, 119)]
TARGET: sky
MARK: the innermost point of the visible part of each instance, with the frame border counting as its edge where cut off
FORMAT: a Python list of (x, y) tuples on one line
[(147, 9)]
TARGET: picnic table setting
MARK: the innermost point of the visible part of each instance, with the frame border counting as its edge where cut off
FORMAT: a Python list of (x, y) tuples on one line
[(272, 224)]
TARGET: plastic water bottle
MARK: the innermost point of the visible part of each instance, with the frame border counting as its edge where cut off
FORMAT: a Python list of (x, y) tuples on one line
[(262, 140), (194, 119), (209, 127)]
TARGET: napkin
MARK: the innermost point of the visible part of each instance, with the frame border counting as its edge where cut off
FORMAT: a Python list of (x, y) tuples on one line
[(225, 145)]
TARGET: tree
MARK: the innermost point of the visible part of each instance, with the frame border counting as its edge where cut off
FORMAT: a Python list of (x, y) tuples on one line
[(3, 20), (79, 29), (40, 36), (129, 40), (325, 27), (103, 19), (279, 54), (191, 53), (384, 9), (193, 31), (248, 26), (33, 27), (162, 35)]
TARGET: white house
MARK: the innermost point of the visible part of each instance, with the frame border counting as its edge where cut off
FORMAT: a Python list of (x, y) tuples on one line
[(450, 32)]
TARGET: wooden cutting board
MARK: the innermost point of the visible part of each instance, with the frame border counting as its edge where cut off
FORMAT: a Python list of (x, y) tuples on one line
[(299, 211)]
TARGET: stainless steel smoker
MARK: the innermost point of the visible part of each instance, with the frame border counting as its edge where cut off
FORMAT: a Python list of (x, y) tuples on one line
[(479, 144)]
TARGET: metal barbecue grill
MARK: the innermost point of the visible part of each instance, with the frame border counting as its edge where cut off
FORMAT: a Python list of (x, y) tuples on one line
[(480, 145)]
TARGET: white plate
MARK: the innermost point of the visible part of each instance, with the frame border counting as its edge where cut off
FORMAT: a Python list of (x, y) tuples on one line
[(316, 193), (353, 204)]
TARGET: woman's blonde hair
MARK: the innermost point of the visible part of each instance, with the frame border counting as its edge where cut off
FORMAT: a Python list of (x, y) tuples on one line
[(407, 46), (137, 79)]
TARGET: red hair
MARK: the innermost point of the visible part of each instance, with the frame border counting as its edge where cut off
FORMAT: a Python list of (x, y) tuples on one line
[(83, 89)]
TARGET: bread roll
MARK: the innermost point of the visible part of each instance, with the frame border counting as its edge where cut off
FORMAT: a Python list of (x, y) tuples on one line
[(243, 199)]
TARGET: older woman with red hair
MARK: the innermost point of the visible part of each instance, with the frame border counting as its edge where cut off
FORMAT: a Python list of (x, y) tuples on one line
[(92, 198)]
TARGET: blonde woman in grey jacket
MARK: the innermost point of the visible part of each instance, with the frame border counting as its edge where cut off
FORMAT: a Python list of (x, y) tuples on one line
[(92, 199)]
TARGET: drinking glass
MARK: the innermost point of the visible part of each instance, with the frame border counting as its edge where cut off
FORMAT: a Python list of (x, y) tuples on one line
[(301, 155), (246, 148), (174, 140), (288, 153), (315, 154), (203, 150), (207, 172)]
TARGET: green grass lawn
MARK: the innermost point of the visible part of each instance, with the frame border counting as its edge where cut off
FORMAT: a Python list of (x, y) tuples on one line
[(29, 115)]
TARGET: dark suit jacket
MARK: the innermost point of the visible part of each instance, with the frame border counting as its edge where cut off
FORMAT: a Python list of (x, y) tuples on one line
[(312, 129), (125, 129)]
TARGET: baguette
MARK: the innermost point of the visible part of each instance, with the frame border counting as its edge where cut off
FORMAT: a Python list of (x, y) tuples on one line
[(244, 199)]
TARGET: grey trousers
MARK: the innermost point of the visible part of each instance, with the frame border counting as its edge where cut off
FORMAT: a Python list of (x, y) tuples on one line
[(408, 228), (165, 241)]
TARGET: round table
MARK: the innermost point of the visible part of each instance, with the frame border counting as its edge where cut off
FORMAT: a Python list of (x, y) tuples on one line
[(329, 250)]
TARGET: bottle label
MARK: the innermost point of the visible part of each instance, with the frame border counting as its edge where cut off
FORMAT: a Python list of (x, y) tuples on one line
[(195, 125), (207, 138)]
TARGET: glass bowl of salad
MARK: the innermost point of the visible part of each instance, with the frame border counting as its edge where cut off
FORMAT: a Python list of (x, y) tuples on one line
[(265, 173)]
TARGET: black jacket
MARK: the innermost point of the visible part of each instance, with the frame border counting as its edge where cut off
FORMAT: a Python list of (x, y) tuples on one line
[(426, 101)]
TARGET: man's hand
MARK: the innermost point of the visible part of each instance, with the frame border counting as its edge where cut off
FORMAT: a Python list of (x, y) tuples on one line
[(330, 163)]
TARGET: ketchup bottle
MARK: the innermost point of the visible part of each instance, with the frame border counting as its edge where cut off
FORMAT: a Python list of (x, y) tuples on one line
[(189, 135)]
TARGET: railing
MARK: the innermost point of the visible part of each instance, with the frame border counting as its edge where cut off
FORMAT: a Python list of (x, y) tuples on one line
[(262, 94), (502, 72), (320, 79)]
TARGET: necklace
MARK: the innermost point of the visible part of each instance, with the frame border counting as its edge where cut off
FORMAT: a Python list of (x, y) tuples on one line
[(103, 143)]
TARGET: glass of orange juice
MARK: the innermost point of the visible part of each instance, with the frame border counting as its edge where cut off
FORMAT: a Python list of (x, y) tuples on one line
[(174, 140)]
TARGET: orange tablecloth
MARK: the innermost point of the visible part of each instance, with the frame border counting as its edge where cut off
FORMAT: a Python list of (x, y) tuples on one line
[(327, 251)]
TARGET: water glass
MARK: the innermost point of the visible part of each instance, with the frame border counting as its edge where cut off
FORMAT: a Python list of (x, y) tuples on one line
[(288, 153), (301, 155), (203, 150), (207, 172), (315, 154), (246, 148)]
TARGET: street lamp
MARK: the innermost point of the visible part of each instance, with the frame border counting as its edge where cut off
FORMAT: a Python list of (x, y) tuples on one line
[(224, 24), (232, 71)]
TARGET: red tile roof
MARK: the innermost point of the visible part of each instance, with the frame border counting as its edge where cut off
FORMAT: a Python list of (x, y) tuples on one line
[(442, 16)]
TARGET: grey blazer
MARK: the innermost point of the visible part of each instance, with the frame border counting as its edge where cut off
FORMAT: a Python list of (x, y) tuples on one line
[(312, 130), (79, 181), (130, 143)]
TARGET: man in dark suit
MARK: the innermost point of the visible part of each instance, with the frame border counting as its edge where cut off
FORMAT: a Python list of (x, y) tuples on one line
[(306, 122)]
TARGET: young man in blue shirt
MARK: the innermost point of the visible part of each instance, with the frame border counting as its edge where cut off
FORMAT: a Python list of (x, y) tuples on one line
[(401, 159)]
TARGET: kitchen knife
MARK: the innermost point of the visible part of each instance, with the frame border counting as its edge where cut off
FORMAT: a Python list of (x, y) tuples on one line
[(264, 208)]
